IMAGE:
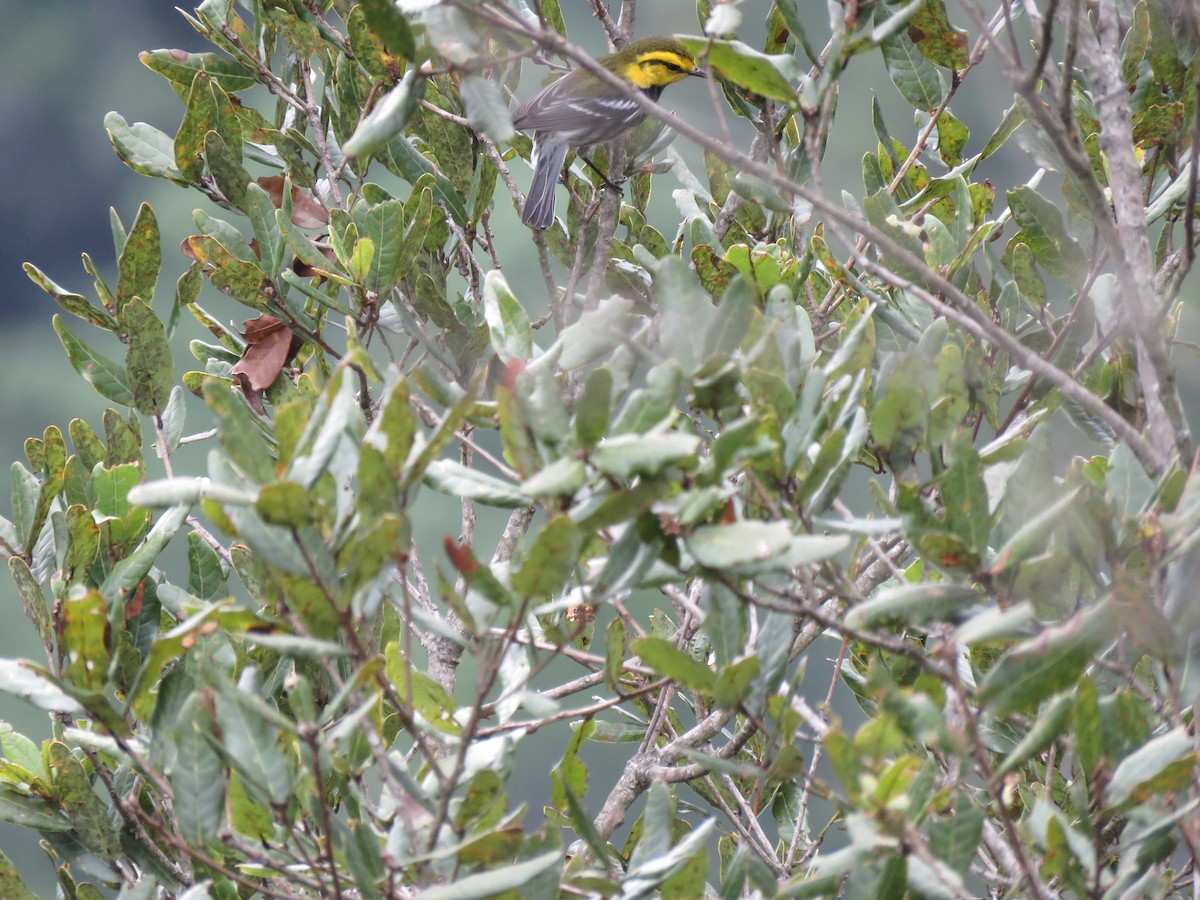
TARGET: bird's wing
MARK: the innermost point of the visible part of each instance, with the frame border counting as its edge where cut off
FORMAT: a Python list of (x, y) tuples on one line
[(556, 109)]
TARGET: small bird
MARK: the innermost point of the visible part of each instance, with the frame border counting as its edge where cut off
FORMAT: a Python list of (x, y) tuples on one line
[(579, 110)]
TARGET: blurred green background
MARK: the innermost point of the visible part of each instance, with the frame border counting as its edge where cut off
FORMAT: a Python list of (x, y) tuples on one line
[(66, 64)]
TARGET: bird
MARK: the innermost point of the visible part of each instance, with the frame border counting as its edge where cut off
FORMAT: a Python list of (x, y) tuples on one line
[(580, 109)]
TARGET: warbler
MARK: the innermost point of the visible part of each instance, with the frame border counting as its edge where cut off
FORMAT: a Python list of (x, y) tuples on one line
[(579, 110)]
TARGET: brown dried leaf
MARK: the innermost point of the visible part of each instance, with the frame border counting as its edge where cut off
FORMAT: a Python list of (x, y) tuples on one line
[(512, 371), (304, 270), (269, 347), (307, 210), (460, 555)]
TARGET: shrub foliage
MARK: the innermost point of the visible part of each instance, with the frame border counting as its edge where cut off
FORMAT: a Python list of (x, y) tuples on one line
[(853, 531)]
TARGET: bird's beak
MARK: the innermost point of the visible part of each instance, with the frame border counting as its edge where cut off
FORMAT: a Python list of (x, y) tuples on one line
[(698, 72)]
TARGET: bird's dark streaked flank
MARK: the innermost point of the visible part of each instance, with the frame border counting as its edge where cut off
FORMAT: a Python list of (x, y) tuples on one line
[(579, 110)]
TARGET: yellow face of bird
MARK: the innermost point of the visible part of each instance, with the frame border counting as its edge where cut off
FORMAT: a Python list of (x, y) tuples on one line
[(658, 67)]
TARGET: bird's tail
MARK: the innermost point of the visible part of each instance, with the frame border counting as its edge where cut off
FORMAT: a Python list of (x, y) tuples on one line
[(548, 156)]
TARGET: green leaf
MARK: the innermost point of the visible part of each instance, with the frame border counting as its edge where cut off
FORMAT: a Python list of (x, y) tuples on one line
[(88, 447), (294, 646), (590, 338), (1164, 49), (900, 416), (654, 860), (768, 75), (239, 278), (429, 699), (383, 225), (561, 478), (486, 109), (455, 417), (148, 361), (260, 209), (1089, 729), (550, 560), (25, 492), (239, 433), (1137, 775), (21, 679), (224, 164), (394, 428), (644, 454), (756, 190), (21, 751), (495, 881), (952, 137), (124, 437), (670, 662), (457, 480), (1033, 536), (181, 67), (955, 838), (594, 408), (934, 36), (1052, 720), (30, 812), (387, 24), (1136, 43), (478, 578), (251, 744), (1012, 119), (419, 210), (1129, 486), (33, 599), (614, 653), (569, 777), (1020, 261), (126, 574), (650, 408), (735, 681), (1043, 229), (174, 416), (84, 626), (410, 164), (187, 291), (687, 314), (140, 260), (371, 549), (11, 885), (552, 13), (82, 805), (286, 504), (760, 546), (245, 816), (106, 376), (1047, 664), (206, 573), (508, 323), (143, 148), (915, 77), (196, 773), (882, 212), (388, 117), (964, 495), (73, 303), (913, 604), (125, 519)]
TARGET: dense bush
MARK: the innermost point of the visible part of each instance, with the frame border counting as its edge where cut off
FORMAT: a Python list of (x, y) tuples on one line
[(917, 447)]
